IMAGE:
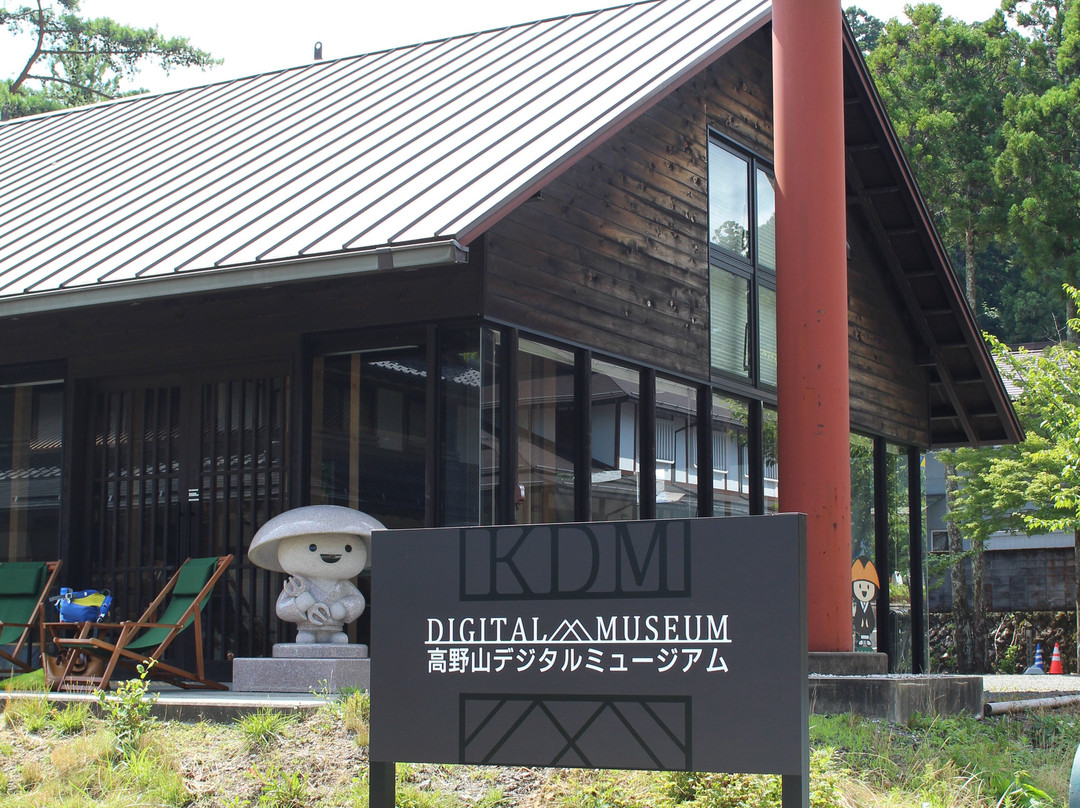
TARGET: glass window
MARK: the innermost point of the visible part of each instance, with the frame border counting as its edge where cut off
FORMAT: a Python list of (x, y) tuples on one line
[(729, 322), (730, 472), (462, 441), (765, 186), (31, 448), (742, 257), (770, 430), (896, 465), (729, 197), (369, 431), (767, 335), (676, 450), (615, 467), (546, 433)]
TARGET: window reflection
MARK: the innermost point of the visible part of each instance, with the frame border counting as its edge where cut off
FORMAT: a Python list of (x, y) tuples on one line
[(766, 220), (769, 430), (729, 217), (615, 469), (546, 434), (730, 471), (729, 303), (31, 445), (676, 450), (369, 431), (767, 335)]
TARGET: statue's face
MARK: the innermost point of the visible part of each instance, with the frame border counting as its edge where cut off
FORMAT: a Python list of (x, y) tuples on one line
[(323, 555), (864, 591)]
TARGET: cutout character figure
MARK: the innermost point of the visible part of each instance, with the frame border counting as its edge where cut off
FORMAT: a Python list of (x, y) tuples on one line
[(864, 587)]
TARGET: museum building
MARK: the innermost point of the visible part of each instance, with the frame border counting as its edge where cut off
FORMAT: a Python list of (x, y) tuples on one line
[(525, 275)]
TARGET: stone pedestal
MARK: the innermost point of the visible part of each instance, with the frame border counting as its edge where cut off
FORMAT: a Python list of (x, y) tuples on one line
[(304, 668)]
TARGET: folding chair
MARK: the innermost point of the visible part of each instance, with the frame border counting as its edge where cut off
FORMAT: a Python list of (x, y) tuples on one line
[(24, 590), (146, 638)]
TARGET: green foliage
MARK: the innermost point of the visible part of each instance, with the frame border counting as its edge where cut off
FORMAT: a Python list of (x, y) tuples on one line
[(74, 60), (72, 719), (1009, 661), (30, 714), (264, 727), (865, 26), (1035, 485), (281, 789), (1041, 137), (128, 711)]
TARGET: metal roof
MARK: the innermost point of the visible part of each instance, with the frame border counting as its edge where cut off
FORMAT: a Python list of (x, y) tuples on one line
[(389, 159)]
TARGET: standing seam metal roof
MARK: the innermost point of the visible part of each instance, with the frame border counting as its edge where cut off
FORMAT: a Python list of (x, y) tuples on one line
[(419, 145)]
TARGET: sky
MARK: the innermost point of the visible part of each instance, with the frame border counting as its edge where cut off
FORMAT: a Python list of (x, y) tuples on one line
[(257, 36)]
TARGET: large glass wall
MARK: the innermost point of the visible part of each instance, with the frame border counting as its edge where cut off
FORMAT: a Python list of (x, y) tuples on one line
[(676, 450), (546, 433), (31, 447), (614, 466)]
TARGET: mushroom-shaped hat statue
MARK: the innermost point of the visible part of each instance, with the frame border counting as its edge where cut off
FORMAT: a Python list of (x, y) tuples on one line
[(322, 548)]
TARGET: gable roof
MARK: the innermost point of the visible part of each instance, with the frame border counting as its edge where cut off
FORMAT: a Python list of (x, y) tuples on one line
[(400, 158), (392, 158)]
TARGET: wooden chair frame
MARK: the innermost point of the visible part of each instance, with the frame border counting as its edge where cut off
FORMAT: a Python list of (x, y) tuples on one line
[(37, 618), (118, 654)]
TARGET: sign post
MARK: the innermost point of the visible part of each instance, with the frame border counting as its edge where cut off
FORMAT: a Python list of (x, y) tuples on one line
[(677, 645)]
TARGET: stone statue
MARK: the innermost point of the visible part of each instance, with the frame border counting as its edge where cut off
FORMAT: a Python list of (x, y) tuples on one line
[(322, 548)]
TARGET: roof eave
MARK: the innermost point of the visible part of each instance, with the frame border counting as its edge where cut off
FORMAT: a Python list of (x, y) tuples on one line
[(219, 279)]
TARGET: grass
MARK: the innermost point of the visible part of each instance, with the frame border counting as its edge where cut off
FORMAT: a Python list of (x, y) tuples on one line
[(68, 756)]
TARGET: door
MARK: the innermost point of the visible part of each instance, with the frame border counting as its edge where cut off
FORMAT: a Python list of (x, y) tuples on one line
[(191, 467)]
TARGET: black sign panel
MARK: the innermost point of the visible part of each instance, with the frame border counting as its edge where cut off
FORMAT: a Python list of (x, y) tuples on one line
[(671, 644)]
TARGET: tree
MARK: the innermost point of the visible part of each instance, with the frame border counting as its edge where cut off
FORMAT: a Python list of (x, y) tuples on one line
[(1041, 140), (944, 84), (865, 26), (74, 60), (1032, 486)]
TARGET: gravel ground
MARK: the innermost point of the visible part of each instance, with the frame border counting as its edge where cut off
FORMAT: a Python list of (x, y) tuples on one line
[(1020, 683)]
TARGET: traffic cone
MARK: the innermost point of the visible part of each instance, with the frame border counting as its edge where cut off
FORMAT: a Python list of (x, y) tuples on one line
[(1038, 657), (1055, 661)]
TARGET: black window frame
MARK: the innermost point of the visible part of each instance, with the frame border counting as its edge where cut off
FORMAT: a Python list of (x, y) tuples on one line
[(748, 268)]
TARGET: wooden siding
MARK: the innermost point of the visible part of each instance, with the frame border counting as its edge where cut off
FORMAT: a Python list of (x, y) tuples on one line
[(613, 254), (889, 392)]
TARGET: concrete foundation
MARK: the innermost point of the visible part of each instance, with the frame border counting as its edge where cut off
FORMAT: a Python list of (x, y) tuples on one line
[(304, 668), (847, 663), (896, 697)]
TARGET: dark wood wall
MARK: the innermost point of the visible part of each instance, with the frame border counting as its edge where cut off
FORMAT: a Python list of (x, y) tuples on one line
[(246, 327), (889, 392), (614, 254)]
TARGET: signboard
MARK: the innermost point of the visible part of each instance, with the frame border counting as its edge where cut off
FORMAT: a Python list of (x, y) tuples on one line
[(670, 644)]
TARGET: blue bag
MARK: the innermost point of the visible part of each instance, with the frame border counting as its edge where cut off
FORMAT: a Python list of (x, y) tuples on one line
[(82, 606)]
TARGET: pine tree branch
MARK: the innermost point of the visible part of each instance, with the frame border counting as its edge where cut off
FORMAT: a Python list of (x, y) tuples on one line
[(38, 50), (76, 85)]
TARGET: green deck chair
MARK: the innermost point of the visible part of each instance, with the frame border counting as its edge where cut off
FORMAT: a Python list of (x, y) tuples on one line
[(24, 588), (148, 637)]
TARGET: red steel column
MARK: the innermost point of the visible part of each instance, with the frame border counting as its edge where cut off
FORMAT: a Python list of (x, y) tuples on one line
[(811, 303)]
